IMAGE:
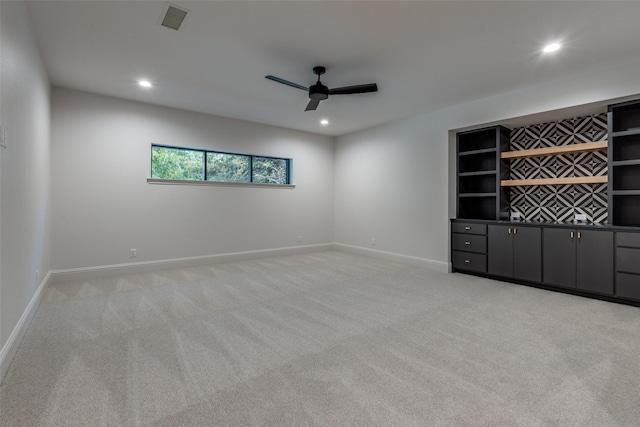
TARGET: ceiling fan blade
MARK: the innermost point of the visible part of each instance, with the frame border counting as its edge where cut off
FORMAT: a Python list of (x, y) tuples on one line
[(286, 82), (312, 105), (348, 90)]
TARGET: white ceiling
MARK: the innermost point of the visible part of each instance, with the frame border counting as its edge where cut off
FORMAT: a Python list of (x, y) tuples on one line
[(423, 55)]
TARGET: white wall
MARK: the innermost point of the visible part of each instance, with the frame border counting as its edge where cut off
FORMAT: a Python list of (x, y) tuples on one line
[(103, 206), (389, 187), (24, 175), (395, 182)]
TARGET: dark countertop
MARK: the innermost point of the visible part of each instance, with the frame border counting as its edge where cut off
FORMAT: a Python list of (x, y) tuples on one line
[(580, 224)]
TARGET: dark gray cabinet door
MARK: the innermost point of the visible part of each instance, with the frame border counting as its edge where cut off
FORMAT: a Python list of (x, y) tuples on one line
[(515, 252), (559, 249), (595, 261), (527, 254), (500, 250)]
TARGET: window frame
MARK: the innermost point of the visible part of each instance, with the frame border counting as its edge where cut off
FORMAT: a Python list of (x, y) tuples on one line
[(288, 162)]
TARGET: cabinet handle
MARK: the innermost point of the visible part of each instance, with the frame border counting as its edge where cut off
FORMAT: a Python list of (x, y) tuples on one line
[(579, 235), (572, 235), (515, 231), (466, 261), (467, 228), (467, 243), (509, 230)]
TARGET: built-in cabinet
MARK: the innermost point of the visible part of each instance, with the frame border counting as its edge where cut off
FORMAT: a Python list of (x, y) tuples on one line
[(479, 172), (598, 260), (515, 252), (484, 156), (469, 246), (579, 259), (628, 265), (624, 163)]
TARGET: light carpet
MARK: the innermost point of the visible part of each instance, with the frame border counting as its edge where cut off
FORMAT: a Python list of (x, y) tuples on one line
[(322, 339)]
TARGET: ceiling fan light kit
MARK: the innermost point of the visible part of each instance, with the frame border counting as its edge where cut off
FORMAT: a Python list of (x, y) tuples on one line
[(319, 92)]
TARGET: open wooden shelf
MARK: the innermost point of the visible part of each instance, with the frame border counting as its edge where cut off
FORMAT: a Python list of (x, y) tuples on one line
[(555, 181), (552, 151)]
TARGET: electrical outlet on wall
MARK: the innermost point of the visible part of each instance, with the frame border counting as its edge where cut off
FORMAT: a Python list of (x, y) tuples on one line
[(373, 241), (581, 217), (133, 253)]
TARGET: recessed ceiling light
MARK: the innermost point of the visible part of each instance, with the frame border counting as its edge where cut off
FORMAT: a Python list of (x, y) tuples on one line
[(144, 83), (552, 47), (324, 122)]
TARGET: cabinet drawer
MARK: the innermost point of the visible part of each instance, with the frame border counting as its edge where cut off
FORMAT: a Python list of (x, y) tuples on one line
[(628, 286), (469, 228), (469, 261), (469, 243), (628, 260), (631, 240)]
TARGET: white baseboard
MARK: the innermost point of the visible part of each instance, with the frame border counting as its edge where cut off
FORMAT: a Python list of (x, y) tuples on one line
[(11, 346), (87, 273), (443, 267)]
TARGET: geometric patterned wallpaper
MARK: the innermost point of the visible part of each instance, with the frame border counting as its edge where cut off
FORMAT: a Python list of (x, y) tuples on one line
[(560, 203)]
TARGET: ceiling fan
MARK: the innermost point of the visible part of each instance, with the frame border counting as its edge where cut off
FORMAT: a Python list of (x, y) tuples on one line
[(319, 92)]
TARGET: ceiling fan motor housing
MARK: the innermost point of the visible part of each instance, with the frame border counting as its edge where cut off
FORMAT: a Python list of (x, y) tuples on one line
[(318, 91)]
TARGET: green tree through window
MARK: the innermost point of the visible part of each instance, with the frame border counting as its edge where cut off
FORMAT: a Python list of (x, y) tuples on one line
[(227, 167), (269, 171), (176, 163), (198, 165)]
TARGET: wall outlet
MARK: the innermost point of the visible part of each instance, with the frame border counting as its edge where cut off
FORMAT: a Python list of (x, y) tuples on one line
[(133, 253), (37, 276), (581, 217), (299, 239), (373, 241), (515, 215)]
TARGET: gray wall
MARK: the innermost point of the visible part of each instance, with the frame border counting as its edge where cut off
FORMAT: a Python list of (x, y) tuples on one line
[(395, 183), (24, 170), (103, 206)]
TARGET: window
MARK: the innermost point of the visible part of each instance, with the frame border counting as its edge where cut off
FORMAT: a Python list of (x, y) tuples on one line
[(269, 171), (176, 163), (228, 167), (199, 165)]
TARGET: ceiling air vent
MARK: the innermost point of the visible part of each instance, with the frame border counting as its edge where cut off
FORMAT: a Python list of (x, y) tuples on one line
[(174, 17)]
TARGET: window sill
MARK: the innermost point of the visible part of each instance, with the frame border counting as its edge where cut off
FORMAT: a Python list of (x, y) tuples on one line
[(216, 183)]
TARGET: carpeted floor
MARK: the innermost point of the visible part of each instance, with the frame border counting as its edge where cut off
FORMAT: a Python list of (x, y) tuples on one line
[(323, 339)]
